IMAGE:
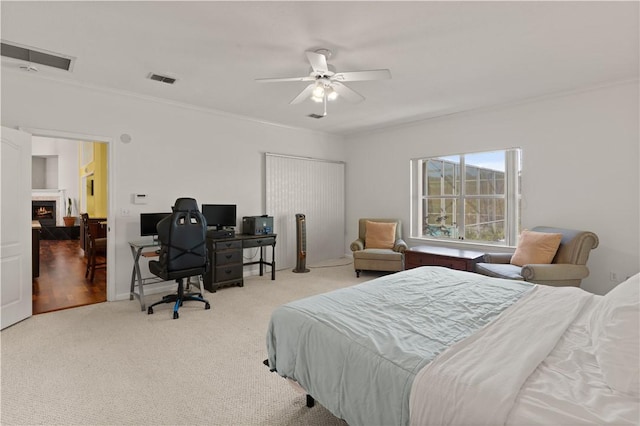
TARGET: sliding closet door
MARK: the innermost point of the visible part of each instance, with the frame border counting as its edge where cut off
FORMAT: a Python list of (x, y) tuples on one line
[(314, 188)]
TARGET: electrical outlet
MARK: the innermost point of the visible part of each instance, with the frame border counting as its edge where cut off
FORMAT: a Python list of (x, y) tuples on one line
[(125, 212)]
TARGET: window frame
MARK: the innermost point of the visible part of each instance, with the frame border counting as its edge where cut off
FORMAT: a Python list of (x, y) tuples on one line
[(512, 197)]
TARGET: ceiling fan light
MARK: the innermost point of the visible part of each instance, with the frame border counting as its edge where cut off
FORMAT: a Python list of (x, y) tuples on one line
[(332, 95), (315, 98), (318, 92)]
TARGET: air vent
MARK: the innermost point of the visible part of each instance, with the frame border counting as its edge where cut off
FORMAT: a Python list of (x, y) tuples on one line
[(34, 56), (162, 78), (315, 115)]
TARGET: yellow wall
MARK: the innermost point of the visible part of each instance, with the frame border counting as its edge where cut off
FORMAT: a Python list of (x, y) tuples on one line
[(96, 171)]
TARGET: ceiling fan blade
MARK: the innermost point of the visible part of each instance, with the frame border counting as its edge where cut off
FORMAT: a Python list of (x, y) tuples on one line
[(346, 92), (306, 93), (362, 75), (277, 80), (318, 62)]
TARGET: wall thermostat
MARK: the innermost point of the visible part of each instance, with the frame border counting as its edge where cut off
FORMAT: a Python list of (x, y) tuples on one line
[(140, 198)]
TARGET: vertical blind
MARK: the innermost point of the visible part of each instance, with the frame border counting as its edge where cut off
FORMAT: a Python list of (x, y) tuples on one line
[(314, 188)]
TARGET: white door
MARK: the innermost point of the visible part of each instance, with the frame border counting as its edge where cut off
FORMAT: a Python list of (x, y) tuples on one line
[(15, 227)]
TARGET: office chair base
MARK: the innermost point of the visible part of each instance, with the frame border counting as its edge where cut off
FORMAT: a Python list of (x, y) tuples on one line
[(178, 301)]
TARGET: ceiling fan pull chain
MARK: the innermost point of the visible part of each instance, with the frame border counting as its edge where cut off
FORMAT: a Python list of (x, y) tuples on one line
[(325, 104)]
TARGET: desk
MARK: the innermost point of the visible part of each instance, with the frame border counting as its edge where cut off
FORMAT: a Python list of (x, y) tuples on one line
[(225, 259), (138, 249)]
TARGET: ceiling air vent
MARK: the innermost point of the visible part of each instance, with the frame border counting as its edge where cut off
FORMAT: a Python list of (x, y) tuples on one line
[(33, 56), (162, 78)]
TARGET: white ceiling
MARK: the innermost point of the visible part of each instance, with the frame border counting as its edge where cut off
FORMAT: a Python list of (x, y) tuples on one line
[(444, 56)]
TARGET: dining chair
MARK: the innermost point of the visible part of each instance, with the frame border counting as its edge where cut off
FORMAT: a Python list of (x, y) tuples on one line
[(97, 247)]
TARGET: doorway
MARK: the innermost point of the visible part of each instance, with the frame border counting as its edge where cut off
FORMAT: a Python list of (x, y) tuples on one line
[(69, 164)]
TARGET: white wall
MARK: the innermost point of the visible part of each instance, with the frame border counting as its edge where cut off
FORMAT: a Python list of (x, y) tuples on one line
[(62, 161), (52, 177), (174, 152), (39, 173), (580, 168), (580, 159)]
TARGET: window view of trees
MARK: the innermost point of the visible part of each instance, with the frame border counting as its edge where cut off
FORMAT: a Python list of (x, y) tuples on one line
[(466, 196)]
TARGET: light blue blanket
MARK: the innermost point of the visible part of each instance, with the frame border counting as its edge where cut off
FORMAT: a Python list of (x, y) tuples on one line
[(358, 349)]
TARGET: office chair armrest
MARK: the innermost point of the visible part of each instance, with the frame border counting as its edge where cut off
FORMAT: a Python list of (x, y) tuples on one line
[(400, 246), (554, 272), (497, 257), (357, 245)]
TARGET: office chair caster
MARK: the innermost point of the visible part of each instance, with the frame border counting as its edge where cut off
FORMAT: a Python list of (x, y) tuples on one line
[(175, 315), (207, 306), (150, 310)]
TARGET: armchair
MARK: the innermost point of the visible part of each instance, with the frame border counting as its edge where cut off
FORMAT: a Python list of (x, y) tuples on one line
[(567, 268), (183, 251), (370, 255)]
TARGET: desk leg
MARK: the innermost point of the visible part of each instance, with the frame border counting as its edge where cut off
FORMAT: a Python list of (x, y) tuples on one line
[(261, 260), (133, 273), (273, 261), (136, 274)]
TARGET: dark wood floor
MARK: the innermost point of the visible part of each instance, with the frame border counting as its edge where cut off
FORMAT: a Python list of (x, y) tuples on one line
[(61, 283)]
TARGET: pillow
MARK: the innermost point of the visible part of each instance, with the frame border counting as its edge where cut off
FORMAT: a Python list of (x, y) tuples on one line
[(615, 334), (380, 235), (535, 248)]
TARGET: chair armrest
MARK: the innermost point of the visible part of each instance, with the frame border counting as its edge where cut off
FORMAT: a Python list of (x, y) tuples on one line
[(400, 246), (357, 245), (497, 257), (554, 272)]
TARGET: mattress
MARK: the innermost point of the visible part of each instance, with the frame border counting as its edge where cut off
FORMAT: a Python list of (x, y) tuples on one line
[(357, 350)]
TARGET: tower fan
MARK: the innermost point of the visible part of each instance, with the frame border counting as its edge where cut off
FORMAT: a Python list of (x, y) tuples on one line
[(301, 243)]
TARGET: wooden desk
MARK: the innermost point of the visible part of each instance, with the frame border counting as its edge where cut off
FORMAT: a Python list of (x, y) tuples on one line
[(462, 260), (225, 259)]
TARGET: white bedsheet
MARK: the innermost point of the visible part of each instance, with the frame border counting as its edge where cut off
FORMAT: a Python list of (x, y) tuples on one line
[(568, 388), (476, 380), (553, 378)]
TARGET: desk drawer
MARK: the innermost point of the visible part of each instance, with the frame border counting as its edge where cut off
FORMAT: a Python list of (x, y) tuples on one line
[(225, 257), (416, 259), (258, 242), (450, 263), (227, 245), (229, 272)]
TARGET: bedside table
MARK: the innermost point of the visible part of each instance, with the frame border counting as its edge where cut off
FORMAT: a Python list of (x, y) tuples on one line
[(462, 260)]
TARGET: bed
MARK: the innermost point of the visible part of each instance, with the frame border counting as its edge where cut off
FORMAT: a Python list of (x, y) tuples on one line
[(436, 346)]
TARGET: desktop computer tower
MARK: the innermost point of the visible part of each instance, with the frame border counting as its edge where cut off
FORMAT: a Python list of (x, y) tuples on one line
[(257, 225)]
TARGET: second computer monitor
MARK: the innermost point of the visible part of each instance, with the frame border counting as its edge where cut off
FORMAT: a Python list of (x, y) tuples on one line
[(219, 215)]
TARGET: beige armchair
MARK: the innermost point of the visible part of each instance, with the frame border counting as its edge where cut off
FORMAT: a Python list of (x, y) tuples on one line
[(373, 258), (567, 268)]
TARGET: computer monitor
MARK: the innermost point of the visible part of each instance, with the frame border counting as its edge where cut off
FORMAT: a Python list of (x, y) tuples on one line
[(148, 223), (219, 215)]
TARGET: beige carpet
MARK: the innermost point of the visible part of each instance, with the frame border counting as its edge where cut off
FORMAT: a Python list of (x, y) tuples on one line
[(112, 364)]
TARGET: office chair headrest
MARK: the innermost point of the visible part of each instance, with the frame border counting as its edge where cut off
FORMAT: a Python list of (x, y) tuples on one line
[(185, 204)]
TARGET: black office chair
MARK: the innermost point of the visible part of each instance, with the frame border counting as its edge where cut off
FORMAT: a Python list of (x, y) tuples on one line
[(183, 251)]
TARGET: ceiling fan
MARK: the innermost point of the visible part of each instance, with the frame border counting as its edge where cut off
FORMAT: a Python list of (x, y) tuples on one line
[(327, 84)]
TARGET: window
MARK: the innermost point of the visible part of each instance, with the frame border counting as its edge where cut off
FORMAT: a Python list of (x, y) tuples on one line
[(473, 197)]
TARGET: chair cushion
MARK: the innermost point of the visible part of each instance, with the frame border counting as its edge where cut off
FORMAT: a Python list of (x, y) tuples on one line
[(157, 268), (500, 270), (377, 254), (536, 248), (380, 235)]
